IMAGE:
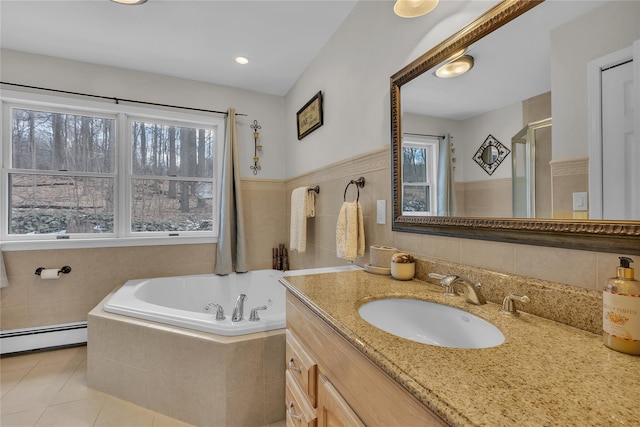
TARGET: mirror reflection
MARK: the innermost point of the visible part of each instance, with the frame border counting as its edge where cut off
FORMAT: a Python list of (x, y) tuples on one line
[(549, 64)]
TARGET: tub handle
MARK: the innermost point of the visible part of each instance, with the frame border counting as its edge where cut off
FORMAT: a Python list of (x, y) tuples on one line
[(293, 367), (219, 312), (253, 316), (292, 414)]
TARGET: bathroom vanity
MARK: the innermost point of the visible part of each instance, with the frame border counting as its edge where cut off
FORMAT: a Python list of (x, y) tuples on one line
[(343, 371)]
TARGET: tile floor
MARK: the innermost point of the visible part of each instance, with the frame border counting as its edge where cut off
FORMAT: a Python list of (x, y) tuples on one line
[(50, 389)]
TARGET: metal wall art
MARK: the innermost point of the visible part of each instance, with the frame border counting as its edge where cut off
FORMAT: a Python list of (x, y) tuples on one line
[(490, 154)]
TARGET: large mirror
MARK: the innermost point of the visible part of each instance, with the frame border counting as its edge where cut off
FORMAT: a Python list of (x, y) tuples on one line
[(558, 51)]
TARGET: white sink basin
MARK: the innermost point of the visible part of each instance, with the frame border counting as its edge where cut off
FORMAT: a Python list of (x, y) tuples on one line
[(431, 323)]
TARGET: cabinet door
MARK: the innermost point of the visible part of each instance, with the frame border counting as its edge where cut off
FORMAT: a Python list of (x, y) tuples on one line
[(333, 410)]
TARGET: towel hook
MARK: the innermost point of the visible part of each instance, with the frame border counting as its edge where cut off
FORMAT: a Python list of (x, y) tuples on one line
[(359, 184)]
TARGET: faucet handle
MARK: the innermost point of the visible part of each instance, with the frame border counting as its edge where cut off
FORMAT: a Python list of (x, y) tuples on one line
[(446, 282), (253, 316), (509, 304), (219, 312)]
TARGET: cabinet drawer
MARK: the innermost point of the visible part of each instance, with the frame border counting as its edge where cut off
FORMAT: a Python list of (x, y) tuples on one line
[(301, 366), (299, 412)]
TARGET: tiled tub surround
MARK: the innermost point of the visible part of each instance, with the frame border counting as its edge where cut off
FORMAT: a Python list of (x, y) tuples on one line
[(545, 373), (199, 378)]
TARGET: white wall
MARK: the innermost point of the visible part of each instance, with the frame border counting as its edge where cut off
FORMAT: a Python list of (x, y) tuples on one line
[(353, 71), (469, 134), (605, 30), (44, 71), (502, 124)]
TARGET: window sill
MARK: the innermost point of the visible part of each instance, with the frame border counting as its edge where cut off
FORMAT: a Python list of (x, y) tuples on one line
[(33, 245)]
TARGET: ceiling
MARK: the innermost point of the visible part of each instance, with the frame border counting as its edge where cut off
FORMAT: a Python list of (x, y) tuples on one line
[(196, 40), (199, 39), (511, 64)]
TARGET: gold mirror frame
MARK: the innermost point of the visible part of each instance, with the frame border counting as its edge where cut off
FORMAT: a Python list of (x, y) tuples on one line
[(597, 235)]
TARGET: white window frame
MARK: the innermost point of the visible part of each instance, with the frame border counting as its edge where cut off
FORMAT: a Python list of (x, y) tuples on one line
[(432, 147), (124, 115)]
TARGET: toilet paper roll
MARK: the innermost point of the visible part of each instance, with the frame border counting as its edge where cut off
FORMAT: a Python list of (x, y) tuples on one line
[(380, 256), (49, 274)]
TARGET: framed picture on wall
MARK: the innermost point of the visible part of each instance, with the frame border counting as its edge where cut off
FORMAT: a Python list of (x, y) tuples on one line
[(309, 117)]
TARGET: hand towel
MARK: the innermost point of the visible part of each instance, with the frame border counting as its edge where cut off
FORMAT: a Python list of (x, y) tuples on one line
[(302, 207), (350, 232)]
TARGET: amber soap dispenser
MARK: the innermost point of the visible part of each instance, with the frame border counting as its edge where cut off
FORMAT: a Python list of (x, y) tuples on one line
[(621, 310)]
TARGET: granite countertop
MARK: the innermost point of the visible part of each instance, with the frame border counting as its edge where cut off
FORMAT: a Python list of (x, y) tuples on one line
[(544, 374)]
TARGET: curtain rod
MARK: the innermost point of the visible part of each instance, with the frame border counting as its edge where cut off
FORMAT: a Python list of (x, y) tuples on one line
[(118, 100), (422, 134)]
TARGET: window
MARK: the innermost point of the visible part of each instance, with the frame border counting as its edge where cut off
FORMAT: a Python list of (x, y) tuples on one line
[(172, 180), (419, 176), (81, 172)]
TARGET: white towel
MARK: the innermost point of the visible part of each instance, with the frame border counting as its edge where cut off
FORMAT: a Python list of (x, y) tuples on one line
[(350, 232), (303, 206)]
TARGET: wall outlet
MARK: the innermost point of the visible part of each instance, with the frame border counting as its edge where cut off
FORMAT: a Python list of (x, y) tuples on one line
[(381, 212)]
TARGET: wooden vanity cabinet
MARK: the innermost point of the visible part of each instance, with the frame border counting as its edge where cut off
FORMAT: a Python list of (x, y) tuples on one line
[(350, 390), (333, 410), (299, 412)]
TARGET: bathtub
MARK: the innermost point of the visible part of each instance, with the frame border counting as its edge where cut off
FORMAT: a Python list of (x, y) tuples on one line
[(139, 350), (181, 301)]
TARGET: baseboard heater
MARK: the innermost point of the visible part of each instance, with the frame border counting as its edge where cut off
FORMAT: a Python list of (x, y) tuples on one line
[(40, 338)]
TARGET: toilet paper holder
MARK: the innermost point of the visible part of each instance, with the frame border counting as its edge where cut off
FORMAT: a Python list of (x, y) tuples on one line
[(64, 270)]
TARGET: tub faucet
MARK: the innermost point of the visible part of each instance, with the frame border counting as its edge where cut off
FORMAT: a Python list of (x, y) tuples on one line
[(219, 311), (472, 292), (253, 316), (238, 311)]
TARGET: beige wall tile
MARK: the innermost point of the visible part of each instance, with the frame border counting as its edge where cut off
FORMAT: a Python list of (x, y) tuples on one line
[(245, 365), (408, 242), (487, 198), (246, 407), (274, 410), (495, 256), (441, 247), (30, 301), (274, 358), (562, 265)]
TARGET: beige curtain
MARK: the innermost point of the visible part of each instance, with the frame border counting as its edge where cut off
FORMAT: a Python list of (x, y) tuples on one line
[(231, 251), (446, 182), (4, 282)]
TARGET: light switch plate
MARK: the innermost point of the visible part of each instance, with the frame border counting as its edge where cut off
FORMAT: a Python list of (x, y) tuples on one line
[(580, 201), (381, 212)]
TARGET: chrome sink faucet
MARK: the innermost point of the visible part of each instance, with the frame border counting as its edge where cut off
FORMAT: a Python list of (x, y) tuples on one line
[(471, 290), (238, 311), (509, 304)]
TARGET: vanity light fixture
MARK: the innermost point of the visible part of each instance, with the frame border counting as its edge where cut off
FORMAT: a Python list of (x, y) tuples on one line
[(414, 8), (242, 60), (130, 2), (456, 67)]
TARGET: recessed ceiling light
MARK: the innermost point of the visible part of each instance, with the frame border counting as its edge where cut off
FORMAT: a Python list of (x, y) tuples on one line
[(242, 60), (414, 8), (455, 68), (129, 2)]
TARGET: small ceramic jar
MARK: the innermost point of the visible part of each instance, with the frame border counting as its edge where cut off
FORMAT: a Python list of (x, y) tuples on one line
[(403, 266)]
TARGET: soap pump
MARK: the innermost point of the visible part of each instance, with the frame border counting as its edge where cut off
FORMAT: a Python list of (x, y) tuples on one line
[(621, 310)]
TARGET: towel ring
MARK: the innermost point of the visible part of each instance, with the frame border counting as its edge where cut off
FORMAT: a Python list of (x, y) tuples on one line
[(359, 184)]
